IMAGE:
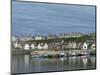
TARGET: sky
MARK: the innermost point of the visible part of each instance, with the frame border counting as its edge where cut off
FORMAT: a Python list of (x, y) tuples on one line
[(46, 18)]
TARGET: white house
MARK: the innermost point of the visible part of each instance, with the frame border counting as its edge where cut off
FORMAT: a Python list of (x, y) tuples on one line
[(38, 38), (45, 46), (85, 46), (26, 47), (33, 46), (93, 47), (74, 45), (39, 46), (16, 45)]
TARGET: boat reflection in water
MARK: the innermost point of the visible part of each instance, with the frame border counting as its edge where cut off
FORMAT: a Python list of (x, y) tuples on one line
[(25, 63)]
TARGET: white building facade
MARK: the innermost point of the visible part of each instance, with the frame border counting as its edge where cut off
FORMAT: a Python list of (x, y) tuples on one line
[(45, 46), (93, 47), (85, 46), (26, 47), (33, 46)]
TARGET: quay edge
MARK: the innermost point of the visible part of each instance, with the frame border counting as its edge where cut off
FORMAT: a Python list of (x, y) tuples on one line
[(54, 53)]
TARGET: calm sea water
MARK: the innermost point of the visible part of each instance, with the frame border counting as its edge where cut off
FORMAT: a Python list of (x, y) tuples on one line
[(42, 18), (26, 64)]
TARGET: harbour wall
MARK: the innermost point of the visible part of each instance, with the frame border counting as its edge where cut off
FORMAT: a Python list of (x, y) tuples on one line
[(52, 52)]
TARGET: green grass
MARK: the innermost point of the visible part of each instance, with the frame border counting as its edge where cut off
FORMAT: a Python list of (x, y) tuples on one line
[(71, 39)]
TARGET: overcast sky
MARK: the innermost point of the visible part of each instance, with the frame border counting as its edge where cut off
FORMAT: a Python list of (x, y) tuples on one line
[(42, 18)]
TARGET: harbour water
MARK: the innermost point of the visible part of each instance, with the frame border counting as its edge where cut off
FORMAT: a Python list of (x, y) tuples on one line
[(27, 64)]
